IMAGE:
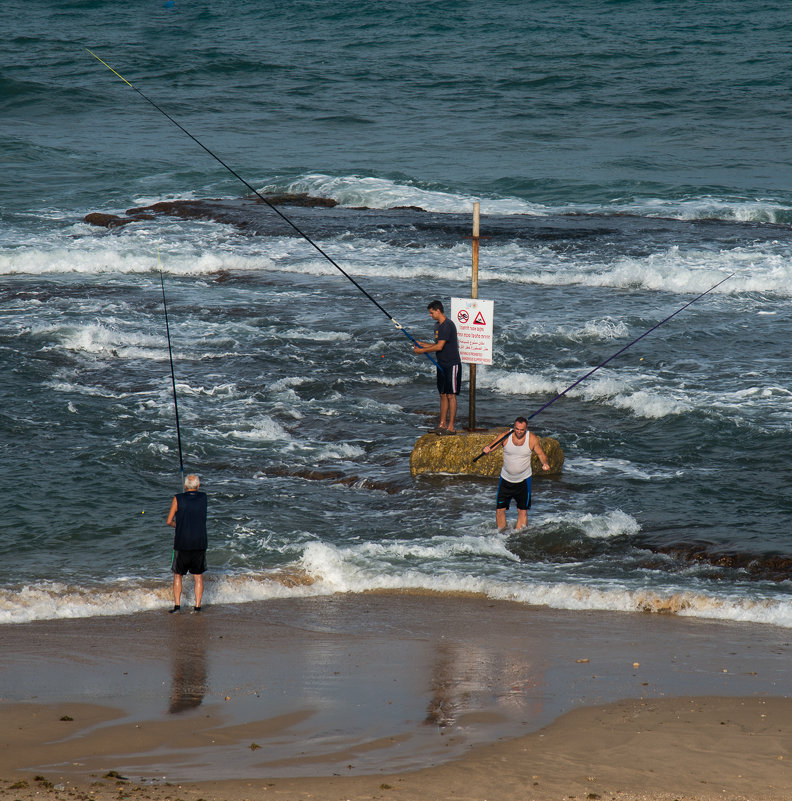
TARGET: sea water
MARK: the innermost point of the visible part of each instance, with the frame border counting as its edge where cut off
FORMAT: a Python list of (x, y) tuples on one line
[(627, 156)]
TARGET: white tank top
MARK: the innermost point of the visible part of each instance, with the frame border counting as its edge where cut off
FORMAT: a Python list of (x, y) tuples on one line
[(516, 460)]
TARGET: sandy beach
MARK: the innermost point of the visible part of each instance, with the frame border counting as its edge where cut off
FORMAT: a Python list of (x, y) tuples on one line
[(395, 696)]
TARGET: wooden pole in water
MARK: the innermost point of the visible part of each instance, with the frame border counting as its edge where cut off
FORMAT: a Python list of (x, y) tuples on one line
[(474, 295)]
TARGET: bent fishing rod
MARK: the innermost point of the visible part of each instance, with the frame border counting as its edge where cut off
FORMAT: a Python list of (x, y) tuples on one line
[(277, 211), (173, 374), (609, 359)]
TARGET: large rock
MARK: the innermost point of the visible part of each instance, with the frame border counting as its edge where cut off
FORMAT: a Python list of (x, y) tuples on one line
[(434, 453)]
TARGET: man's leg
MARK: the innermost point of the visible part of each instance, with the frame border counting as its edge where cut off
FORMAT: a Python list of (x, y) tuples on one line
[(177, 589), (443, 410), (198, 588), (500, 518), (452, 410), (523, 503)]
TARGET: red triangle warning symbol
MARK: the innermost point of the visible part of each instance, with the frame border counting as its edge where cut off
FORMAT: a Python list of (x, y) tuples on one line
[(479, 320)]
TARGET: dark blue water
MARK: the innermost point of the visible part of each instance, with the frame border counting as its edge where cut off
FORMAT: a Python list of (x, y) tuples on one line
[(627, 157)]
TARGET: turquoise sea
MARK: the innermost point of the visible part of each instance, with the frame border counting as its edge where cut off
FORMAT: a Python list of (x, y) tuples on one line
[(627, 156)]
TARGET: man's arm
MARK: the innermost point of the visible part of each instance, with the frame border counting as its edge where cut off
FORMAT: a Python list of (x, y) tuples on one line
[(501, 440), (536, 447), (172, 514), (427, 348)]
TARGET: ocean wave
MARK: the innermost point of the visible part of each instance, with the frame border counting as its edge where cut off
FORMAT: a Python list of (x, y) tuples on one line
[(596, 330), (318, 557), (264, 429), (215, 250), (106, 340), (616, 392), (612, 524), (588, 466), (307, 334), (50, 600), (69, 387), (326, 570), (381, 193)]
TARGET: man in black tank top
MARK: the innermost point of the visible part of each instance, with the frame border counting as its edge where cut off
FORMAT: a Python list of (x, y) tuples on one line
[(188, 516)]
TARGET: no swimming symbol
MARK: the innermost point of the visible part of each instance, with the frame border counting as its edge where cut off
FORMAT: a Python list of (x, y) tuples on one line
[(463, 317)]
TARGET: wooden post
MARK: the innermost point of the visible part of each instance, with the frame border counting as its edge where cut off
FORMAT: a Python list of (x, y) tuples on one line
[(474, 295)]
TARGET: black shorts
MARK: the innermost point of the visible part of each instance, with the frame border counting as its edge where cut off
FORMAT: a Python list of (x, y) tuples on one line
[(189, 562), (449, 379), (520, 492)]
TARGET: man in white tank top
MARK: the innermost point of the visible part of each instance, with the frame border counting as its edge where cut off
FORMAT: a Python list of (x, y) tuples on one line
[(515, 477)]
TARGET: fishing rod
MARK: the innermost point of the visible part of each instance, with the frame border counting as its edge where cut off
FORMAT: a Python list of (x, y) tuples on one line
[(277, 211), (173, 374), (609, 359)]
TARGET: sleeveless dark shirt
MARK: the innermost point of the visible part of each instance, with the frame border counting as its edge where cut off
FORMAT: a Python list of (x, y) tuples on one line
[(190, 521)]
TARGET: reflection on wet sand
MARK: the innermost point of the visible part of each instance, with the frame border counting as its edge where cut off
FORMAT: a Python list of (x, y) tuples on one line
[(188, 663), (462, 674)]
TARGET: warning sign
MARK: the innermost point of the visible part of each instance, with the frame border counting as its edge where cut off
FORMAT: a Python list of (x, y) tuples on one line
[(473, 320)]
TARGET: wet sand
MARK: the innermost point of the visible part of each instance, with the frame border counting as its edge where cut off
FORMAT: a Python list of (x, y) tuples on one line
[(403, 696)]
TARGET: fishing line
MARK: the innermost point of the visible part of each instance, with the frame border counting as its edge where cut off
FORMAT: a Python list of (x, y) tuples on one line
[(173, 374), (611, 358), (277, 211)]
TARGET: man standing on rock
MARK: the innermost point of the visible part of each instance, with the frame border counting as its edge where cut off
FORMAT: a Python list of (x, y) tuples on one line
[(515, 477), (449, 372)]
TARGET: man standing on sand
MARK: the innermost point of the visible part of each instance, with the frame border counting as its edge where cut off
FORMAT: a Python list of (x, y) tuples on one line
[(188, 516), (515, 477), (449, 373)]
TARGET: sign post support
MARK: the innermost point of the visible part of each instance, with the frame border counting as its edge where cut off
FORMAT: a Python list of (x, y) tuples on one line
[(474, 295), (474, 324)]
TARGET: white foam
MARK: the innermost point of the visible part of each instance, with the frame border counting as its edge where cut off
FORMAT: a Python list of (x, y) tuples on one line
[(312, 335), (221, 391), (613, 524), (54, 600), (329, 452), (201, 248), (606, 329), (264, 429), (587, 466), (380, 193), (57, 600), (611, 390), (388, 381), (68, 387), (325, 569), (106, 340)]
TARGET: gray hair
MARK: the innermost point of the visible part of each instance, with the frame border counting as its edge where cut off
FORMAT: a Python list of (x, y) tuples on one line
[(192, 482)]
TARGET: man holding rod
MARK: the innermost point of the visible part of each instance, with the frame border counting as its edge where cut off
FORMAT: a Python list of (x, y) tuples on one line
[(515, 477)]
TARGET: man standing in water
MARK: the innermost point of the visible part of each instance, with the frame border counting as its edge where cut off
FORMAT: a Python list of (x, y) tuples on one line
[(515, 477), (188, 516), (449, 374)]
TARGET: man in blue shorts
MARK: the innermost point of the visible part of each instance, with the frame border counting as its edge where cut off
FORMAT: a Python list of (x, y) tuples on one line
[(188, 516), (515, 477), (449, 374)]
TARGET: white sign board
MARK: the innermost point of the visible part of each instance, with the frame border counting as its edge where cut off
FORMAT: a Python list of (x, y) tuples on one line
[(473, 321)]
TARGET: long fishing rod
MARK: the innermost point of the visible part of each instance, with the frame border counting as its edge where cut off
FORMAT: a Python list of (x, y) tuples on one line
[(277, 211), (609, 359), (173, 374)]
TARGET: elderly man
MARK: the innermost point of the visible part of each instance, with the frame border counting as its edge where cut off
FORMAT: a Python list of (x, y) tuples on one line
[(188, 516)]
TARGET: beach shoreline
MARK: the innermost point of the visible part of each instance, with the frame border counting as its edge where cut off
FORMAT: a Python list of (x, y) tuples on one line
[(362, 696)]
